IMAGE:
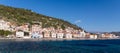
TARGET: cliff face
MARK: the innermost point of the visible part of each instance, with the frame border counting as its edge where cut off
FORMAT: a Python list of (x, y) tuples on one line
[(19, 16)]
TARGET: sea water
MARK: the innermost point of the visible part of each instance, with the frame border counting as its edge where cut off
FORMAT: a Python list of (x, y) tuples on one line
[(60, 46)]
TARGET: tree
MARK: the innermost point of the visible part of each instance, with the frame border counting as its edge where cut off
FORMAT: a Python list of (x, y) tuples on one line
[(4, 33)]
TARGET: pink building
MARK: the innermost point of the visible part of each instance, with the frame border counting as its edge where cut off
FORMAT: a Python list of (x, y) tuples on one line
[(24, 28)]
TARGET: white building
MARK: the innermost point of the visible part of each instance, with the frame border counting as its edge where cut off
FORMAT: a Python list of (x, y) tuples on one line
[(68, 35), (93, 36), (60, 35), (36, 31), (36, 35), (82, 34), (19, 34), (53, 35)]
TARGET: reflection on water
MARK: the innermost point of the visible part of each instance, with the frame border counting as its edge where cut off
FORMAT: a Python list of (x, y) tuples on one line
[(64, 46)]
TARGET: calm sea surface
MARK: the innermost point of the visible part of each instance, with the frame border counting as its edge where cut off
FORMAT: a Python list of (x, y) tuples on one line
[(63, 46)]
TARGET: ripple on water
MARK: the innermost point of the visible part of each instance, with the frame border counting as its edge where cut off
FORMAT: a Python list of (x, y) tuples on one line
[(60, 46)]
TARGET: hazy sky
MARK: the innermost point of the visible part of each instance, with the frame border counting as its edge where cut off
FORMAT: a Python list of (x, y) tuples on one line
[(91, 15)]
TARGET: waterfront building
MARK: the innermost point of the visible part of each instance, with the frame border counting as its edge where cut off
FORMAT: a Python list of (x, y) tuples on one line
[(60, 33), (68, 35), (82, 34), (35, 28), (94, 36), (107, 35), (46, 33), (24, 28), (40, 34), (19, 34), (99, 35), (36, 31), (36, 35), (102, 35), (87, 35), (53, 33), (75, 34), (114, 36)]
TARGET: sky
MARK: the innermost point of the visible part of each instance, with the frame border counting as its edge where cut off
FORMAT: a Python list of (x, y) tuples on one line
[(91, 15)]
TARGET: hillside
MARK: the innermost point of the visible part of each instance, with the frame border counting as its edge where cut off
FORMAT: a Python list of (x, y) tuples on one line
[(19, 16)]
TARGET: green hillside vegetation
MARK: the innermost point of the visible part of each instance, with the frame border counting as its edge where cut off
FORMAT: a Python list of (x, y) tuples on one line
[(19, 16), (4, 33)]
